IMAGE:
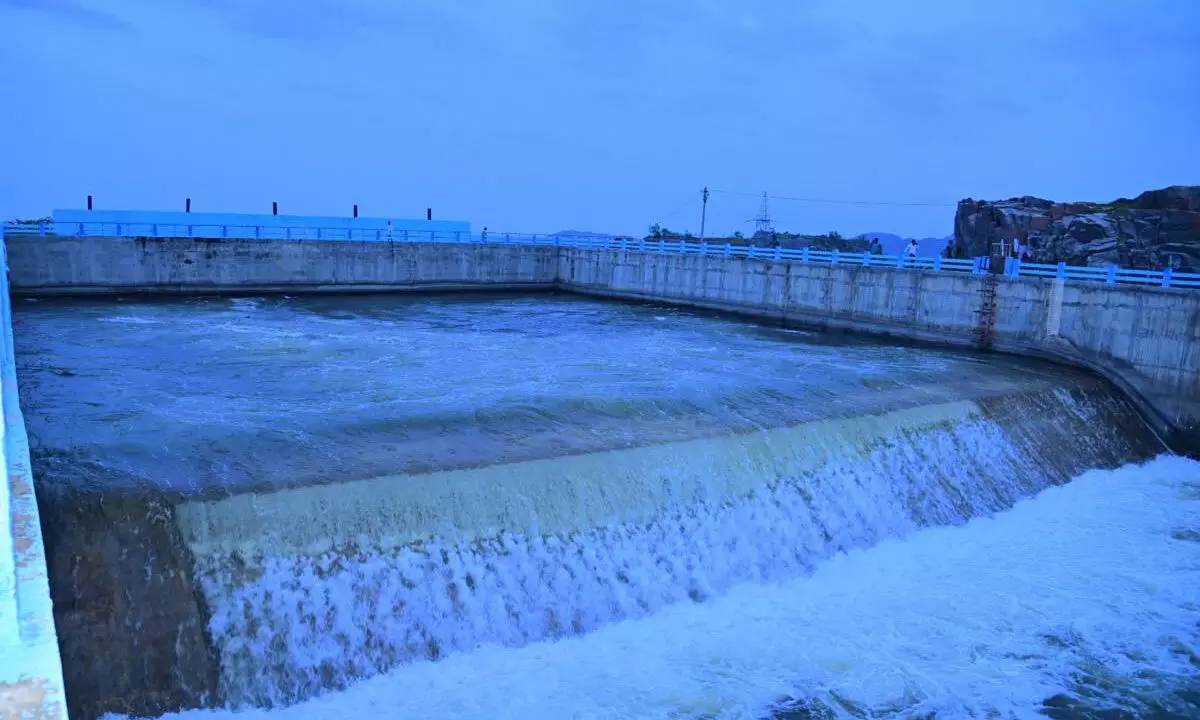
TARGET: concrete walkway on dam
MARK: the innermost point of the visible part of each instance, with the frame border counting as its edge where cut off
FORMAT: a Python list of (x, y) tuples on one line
[(1144, 339)]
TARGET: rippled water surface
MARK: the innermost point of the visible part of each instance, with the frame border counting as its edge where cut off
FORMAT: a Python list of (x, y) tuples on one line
[(235, 393)]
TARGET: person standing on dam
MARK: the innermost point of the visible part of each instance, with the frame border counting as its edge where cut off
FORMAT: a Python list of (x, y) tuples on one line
[(483, 235), (910, 251)]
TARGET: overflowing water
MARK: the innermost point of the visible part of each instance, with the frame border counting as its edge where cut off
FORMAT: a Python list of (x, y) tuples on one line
[(1080, 602), (408, 507)]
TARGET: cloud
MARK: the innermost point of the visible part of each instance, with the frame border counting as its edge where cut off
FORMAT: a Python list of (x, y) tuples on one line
[(71, 10), (537, 115)]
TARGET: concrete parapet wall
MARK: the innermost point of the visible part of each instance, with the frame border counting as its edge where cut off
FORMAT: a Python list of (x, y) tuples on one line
[(63, 265)]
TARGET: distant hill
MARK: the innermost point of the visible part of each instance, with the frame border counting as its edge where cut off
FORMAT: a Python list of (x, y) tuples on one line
[(894, 244), (581, 233)]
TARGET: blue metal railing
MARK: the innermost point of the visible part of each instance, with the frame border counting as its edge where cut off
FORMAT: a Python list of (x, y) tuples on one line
[(1108, 274), (1111, 274)]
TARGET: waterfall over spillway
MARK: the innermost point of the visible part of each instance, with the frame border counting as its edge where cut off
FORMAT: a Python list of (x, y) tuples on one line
[(1077, 603), (312, 588)]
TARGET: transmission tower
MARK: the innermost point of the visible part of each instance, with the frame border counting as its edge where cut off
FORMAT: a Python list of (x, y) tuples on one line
[(763, 223)]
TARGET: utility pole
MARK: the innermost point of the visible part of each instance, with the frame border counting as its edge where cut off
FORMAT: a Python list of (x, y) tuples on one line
[(703, 211)]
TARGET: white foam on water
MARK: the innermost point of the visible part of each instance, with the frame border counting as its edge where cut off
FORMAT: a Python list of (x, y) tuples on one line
[(246, 304), (1091, 582), (130, 320)]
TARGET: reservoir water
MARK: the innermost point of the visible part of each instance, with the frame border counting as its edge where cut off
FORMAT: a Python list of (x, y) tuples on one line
[(547, 506)]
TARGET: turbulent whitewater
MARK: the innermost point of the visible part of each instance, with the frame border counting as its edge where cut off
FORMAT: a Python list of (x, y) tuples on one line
[(410, 506), (1078, 601)]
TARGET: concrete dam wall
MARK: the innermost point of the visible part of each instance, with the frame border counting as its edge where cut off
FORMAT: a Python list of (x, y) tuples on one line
[(62, 265), (1144, 339), (253, 502)]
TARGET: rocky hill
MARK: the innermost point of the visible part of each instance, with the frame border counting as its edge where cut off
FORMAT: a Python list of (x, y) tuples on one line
[(1156, 229)]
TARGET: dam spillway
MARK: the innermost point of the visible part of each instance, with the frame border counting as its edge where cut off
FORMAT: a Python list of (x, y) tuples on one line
[(262, 502)]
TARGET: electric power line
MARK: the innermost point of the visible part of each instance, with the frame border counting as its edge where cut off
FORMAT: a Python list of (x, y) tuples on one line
[(840, 202), (692, 196)]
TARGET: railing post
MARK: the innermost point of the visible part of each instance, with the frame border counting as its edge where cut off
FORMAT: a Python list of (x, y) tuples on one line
[(1166, 280), (258, 232), (118, 230), (834, 257), (900, 261), (287, 233), (1110, 277), (682, 247), (641, 244), (225, 232), (1061, 273), (866, 259), (728, 250), (458, 236), (752, 253), (778, 253), (804, 254)]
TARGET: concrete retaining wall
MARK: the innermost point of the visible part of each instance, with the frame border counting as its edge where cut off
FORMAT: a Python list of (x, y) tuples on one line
[(61, 265), (1144, 339), (31, 678)]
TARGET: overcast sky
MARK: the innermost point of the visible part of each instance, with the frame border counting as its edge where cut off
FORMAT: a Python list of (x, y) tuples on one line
[(603, 115)]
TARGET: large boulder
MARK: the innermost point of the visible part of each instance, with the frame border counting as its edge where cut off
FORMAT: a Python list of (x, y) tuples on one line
[(1156, 229)]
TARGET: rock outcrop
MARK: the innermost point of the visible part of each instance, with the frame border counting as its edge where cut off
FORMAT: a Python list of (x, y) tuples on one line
[(1157, 229)]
